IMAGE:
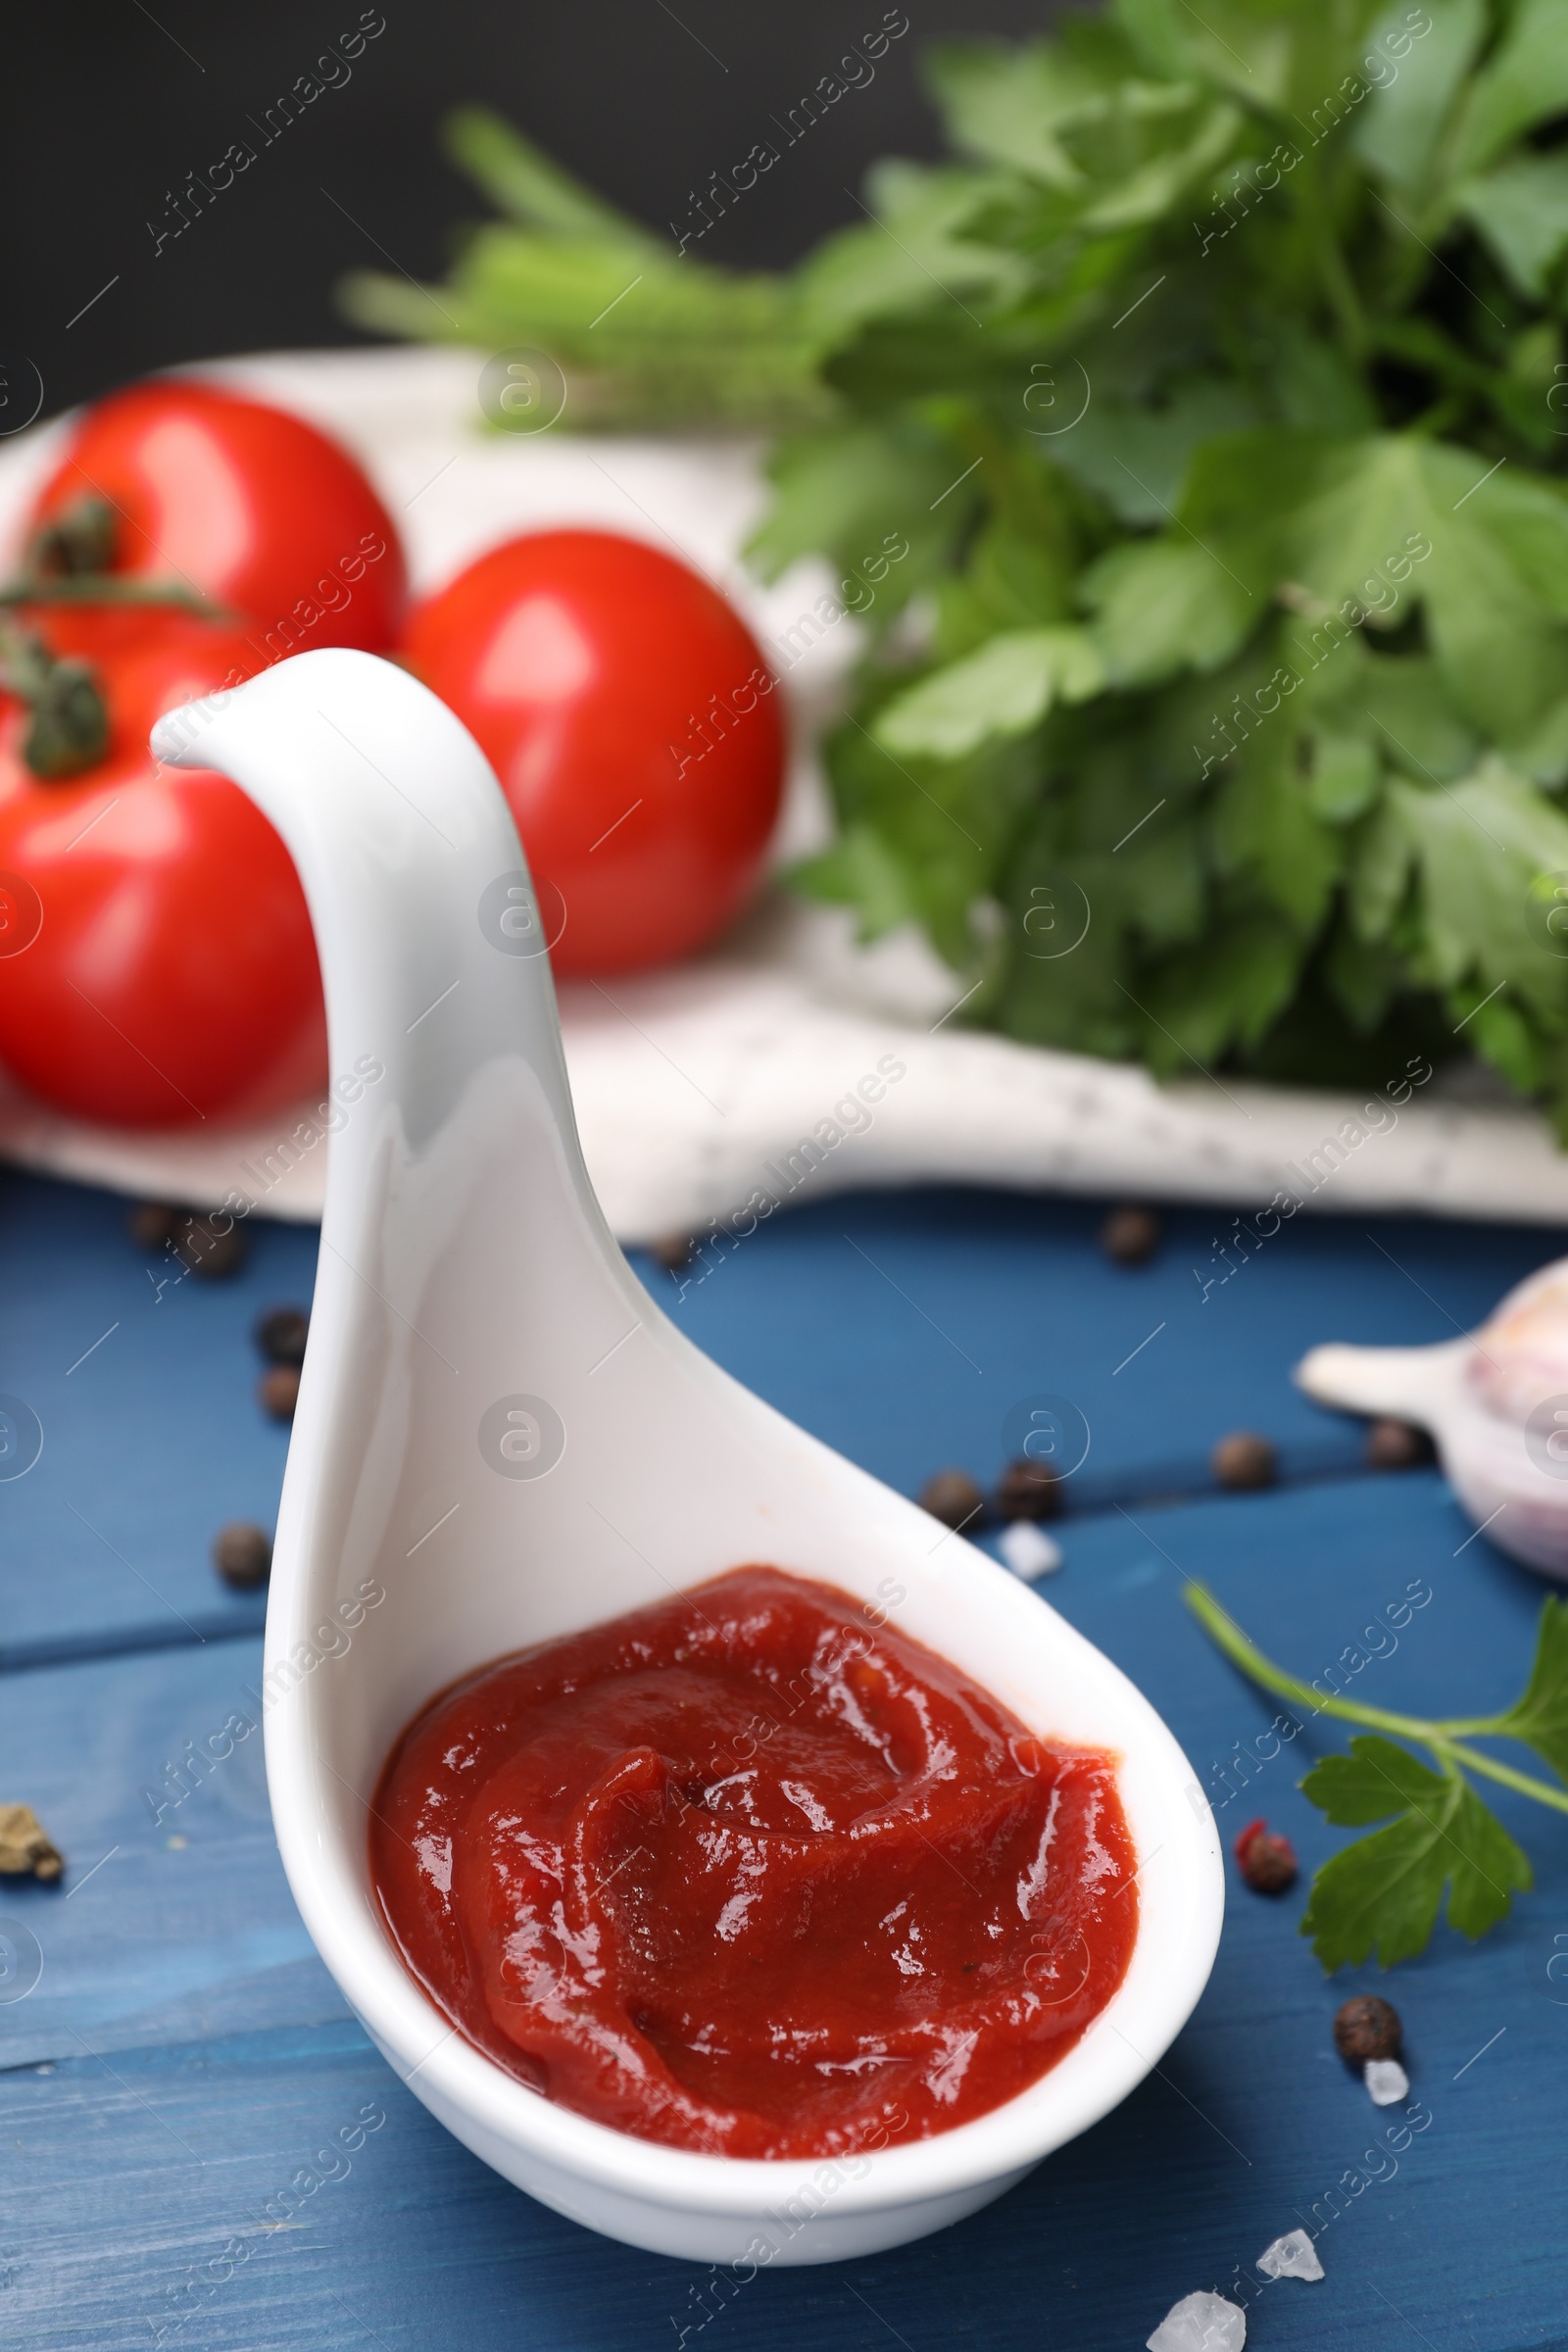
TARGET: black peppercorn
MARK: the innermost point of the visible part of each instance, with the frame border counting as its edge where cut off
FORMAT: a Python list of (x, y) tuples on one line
[(278, 1390), (952, 1497), (1028, 1489), (1396, 1445), (1367, 2026), (280, 1335), (1131, 1236), (242, 1554), (213, 1247), (151, 1224), (1243, 1462)]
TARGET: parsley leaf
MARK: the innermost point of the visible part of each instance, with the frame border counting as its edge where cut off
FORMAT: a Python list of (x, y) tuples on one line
[(1540, 1718), (1383, 1892), (1004, 689)]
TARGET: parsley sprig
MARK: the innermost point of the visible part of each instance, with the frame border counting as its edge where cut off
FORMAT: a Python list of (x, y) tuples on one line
[(647, 335), (1383, 1892)]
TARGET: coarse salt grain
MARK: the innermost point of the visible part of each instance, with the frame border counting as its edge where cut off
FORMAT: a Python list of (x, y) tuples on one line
[(1027, 1551), (1386, 2080), (1293, 2256), (1200, 2323)]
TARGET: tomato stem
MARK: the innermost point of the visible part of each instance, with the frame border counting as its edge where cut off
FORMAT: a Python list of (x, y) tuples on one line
[(69, 726), (80, 538), (108, 588), (69, 561)]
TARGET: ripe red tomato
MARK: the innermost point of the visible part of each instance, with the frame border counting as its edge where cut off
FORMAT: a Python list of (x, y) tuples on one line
[(253, 507), (634, 725), (157, 964)]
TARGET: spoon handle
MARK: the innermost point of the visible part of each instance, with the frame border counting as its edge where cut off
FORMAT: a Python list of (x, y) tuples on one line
[(432, 941)]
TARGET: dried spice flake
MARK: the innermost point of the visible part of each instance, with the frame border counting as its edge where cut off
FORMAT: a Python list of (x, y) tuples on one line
[(26, 1849)]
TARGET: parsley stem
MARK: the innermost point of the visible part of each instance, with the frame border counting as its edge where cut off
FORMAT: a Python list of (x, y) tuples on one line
[(1524, 1781), (1242, 1651), (1445, 1739), (1315, 210), (1441, 1738)]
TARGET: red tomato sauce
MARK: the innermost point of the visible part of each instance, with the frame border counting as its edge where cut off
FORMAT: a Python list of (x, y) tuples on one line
[(746, 1874)]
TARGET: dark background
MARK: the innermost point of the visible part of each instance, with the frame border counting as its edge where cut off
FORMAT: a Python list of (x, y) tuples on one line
[(108, 105)]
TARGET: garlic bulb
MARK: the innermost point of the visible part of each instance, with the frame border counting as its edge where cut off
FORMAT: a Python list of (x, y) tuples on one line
[(1521, 1356), (1496, 1406)]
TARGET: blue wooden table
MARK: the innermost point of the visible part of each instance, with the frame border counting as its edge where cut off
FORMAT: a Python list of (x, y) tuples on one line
[(173, 2054)]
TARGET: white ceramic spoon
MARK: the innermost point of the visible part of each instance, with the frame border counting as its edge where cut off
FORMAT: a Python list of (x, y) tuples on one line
[(1496, 1405), (499, 1431)]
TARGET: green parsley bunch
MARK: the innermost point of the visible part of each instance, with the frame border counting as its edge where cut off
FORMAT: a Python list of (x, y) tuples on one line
[(1217, 387)]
